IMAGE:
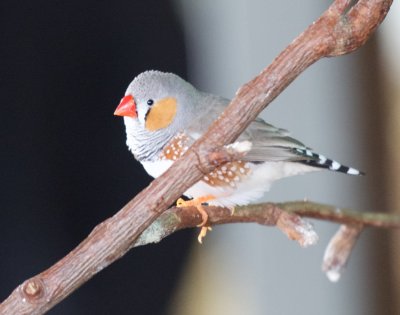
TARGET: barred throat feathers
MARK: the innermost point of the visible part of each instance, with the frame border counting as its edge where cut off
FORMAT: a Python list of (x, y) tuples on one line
[(145, 145)]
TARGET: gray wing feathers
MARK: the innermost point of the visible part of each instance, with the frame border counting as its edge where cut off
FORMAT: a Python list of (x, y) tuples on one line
[(270, 143)]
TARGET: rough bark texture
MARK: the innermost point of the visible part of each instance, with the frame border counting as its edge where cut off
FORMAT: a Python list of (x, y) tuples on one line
[(340, 30)]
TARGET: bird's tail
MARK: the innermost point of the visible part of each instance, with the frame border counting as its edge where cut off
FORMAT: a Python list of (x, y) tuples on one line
[(318, 160)]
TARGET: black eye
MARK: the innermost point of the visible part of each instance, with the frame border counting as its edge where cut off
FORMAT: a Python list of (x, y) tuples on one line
[(150, 102)]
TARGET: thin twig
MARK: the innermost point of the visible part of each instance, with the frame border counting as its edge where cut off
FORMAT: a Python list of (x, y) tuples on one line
[(269, 214), (338, 251), (341, 215)]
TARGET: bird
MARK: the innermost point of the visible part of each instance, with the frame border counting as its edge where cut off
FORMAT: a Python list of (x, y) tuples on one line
[(164, 115)]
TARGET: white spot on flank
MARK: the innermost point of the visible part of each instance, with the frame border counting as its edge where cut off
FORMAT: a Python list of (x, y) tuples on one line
[(241, 170), (223, 168), (206, 178), (233, 168), (236, 179), (221, 177)]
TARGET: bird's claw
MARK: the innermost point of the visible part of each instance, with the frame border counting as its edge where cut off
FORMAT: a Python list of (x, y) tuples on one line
[(180, 203), (203, 233)]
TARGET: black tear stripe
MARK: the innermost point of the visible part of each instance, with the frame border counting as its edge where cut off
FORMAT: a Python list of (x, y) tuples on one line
[(145, 116)]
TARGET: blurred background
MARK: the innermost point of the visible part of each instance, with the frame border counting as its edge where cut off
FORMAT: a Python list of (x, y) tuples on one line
[(65, 167)]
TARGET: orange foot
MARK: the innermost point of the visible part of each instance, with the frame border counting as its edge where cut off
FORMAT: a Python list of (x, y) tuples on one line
[(197, 202)]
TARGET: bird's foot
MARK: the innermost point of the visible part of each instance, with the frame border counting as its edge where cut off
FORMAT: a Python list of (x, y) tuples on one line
[(203, 233), (197, 202)]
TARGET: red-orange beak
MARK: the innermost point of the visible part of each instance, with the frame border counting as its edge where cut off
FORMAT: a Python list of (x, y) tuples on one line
[(126, 107)]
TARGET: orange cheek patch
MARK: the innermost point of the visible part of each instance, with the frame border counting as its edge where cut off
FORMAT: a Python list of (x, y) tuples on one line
[(161, 114)]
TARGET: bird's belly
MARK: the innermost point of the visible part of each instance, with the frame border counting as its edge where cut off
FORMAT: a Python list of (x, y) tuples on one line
[(251, 187), (247, 190)]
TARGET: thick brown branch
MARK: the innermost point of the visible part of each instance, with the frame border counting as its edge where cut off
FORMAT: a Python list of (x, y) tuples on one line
[(336, 32)]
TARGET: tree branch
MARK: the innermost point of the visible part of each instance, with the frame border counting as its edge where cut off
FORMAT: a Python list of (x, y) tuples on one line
[(269, 214), (341, 29), (287, 217)]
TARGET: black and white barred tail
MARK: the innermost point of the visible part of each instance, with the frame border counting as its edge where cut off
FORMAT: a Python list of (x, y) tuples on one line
[(318, 160)]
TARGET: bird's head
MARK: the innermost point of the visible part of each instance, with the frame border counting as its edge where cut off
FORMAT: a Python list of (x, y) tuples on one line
[(154, 101), (156, 106)]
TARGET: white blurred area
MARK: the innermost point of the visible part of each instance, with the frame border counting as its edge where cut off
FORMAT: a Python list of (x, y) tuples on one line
[(250, 269)]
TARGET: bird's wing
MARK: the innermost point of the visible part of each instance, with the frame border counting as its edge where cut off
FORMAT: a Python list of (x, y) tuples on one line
[(273, 144), (268, 142)]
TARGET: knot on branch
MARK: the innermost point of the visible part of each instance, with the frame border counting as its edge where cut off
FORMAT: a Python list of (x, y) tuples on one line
[(33, 290), (297, 229)]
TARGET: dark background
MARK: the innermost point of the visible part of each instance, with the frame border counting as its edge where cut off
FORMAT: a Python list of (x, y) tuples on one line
[(64, 163)]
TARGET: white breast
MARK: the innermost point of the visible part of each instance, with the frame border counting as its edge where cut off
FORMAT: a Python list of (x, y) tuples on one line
[(156, 168)]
